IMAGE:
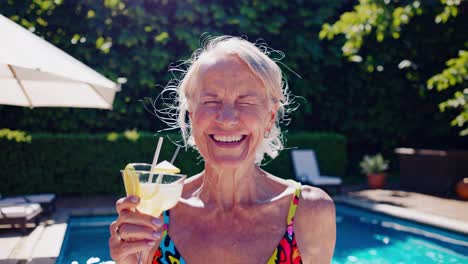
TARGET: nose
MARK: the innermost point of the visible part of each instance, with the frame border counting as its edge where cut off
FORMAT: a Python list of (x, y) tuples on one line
[(227, 115)]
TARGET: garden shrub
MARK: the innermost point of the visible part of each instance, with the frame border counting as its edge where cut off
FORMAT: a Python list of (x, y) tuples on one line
[(89, 164)]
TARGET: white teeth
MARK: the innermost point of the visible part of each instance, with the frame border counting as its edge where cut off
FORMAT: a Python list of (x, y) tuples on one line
[(227, 138)]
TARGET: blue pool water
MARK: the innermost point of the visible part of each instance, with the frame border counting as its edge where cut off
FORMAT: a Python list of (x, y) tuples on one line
[(362, 237)]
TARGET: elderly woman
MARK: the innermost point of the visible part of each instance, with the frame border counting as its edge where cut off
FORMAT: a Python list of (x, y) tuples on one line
[(233, 211)]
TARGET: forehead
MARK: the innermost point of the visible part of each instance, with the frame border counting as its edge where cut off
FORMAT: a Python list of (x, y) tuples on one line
[(228, 72)]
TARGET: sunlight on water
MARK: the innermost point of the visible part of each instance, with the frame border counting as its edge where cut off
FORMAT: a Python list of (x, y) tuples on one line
[(408, 251), (362, 237)]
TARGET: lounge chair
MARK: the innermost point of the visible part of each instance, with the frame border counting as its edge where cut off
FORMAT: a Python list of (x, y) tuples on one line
[(19, 213), (46, 200), (307, 170), (11, 201)]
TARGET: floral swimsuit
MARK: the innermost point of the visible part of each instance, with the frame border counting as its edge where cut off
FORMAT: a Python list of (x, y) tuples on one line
[(285, 253)]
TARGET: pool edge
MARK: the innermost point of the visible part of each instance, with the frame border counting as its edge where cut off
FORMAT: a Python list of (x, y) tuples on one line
[(59, 228), (407, 214)]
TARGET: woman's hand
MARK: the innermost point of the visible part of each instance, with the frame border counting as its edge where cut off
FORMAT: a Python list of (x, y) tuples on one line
[(133, 232)]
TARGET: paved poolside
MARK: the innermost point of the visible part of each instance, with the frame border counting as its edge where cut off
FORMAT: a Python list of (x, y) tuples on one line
[(444, 213), (450, 208), (42, 244)]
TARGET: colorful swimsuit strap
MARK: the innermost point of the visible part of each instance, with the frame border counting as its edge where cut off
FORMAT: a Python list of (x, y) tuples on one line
[(286, 253), (167, 253)]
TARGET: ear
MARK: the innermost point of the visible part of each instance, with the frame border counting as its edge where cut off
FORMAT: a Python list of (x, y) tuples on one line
[(272, 115), (189, 110), (274, 110)]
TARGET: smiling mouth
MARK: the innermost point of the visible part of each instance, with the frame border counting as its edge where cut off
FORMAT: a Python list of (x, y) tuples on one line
[(228, 140)]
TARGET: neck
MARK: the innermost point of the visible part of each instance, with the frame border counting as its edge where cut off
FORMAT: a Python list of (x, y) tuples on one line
[(229, 188)]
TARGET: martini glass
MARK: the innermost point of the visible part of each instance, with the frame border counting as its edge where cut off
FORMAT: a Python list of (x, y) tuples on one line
[(158, 191)]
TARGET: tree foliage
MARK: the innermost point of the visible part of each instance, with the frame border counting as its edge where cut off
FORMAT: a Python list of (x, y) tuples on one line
[(136, 41), (15, 135), (369, 16), (386, 18), (456, 73)]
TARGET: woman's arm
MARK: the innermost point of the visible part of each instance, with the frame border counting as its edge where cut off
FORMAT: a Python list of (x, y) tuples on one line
[(315, 226)]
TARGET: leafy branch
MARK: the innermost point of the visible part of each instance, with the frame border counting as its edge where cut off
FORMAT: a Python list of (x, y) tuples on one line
[(455, 74), (369, 16), (386, 19)]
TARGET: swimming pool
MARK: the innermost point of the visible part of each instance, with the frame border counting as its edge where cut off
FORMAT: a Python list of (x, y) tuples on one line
[(362, 237)]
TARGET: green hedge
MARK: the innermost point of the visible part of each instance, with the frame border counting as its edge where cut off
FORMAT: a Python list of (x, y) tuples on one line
[(84, 164)]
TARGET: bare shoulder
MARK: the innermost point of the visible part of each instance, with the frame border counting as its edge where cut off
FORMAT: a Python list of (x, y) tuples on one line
[(315, 225), (314, 201)]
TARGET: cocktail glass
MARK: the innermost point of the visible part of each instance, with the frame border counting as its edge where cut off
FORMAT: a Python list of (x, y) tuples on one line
[(158, 190)]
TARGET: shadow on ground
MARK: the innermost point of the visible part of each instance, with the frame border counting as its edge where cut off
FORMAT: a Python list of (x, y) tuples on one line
[(32, 261)]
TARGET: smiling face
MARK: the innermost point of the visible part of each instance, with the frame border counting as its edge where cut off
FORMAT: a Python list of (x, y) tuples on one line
[(229, 111)]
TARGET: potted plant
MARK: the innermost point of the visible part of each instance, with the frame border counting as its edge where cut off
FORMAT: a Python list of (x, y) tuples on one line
[(374, 167), (462, 188)]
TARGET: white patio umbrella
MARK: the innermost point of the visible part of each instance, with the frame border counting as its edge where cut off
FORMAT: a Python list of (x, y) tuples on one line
[(35, 73)]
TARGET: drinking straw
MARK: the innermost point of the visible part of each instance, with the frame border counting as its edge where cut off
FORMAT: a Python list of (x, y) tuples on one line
[(175, 155), (160, 176), (155, 158)]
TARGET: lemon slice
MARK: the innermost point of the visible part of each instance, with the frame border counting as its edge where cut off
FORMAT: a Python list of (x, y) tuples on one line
[(131, 182), (166, 167)]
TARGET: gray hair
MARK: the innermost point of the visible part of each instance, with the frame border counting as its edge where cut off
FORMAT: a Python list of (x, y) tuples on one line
[(256, 56)]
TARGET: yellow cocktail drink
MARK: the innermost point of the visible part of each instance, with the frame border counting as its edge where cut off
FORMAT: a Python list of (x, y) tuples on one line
[(159, 189), (156, 198)]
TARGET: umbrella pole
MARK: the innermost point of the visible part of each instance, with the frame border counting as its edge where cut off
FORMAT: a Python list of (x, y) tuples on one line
[(21, 85)]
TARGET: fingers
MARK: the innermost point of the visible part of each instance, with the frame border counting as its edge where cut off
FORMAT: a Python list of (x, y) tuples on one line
[(127, 214), (127, 203), (123, 250), (136, 232), (133, 231), (132, 224), (137, 218), (113, 228)]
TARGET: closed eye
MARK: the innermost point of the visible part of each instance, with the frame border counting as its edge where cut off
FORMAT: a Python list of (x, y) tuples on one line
[(246, 103), (211, 103)]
